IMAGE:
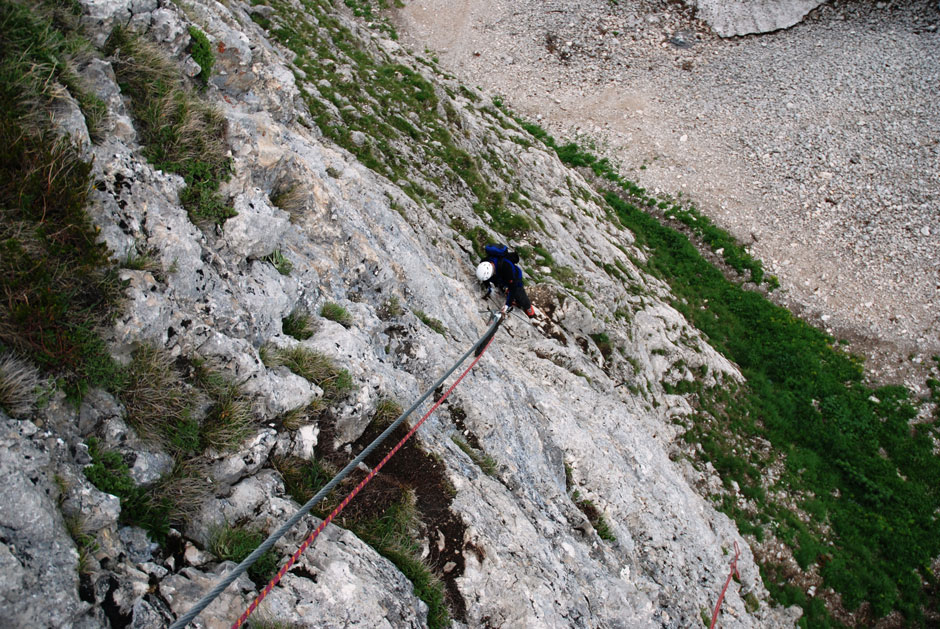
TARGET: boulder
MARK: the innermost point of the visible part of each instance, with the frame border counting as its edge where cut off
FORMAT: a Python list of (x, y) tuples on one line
[(744, 17)]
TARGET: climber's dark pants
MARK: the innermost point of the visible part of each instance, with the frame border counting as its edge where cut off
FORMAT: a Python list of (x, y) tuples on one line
[(520, 300)]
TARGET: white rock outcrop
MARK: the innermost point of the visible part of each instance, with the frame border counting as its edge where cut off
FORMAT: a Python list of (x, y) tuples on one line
[(745, 17)]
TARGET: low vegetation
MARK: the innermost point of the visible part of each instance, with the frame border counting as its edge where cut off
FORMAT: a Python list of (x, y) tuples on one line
[(180, 133), (315, 367), (19, 385), (235, 543), (393, 534), (201, 51), (594, 516), (334, 312), (298, 324), (387, 114), (386, 412), (280, 262), (482, 459), (139, 506), (734, 254), (390, 309), (59, 288), (858, 498), (435, 324), (865, 474)]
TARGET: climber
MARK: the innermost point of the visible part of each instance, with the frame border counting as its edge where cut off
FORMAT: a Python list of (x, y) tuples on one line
[(499, 268)]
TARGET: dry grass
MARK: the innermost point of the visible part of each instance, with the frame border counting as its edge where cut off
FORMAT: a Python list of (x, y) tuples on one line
[(293, 199), (386, 411), (19, 385), (185, 491), (228, 423), (157, 399)]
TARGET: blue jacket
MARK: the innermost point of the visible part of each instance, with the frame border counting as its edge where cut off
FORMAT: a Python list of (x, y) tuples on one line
[(507, 277)]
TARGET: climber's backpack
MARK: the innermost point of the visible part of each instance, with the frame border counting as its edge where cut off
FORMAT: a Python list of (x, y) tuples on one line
[(495, 252)]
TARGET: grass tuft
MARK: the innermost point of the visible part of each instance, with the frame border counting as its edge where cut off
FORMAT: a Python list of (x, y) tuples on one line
[(303, 479), (386, 411), (229, 420), (435, 324), (235, 543), (280, 262), (595, 516), (298, 324), (181, 134), (158, 402), (315, 367), (485, 461), (19, 385), (85, 543), (334, 312), (293, 200)]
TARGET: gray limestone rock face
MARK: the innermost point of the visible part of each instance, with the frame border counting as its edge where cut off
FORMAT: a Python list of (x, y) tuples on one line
[(367, 589), (38, 558), (182, 590), (257, 230), (744, 17), (247, 460)]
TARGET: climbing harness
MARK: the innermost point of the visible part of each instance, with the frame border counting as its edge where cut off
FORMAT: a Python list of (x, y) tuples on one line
[(478, 348)]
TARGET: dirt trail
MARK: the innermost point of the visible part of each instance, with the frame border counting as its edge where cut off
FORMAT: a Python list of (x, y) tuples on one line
[(818, 146)]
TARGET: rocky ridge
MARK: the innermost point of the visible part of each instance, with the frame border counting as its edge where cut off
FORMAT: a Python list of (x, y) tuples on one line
[(544, 404)]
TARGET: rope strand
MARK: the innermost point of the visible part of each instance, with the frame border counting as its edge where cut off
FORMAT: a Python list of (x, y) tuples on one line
[(342, 505), (721, 597), (240, 569)]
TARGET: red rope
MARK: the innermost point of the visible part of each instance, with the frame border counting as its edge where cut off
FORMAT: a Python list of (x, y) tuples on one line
[(734, 571), (313, 536)]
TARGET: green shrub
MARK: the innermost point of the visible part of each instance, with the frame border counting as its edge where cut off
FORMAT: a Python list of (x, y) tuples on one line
[(110, 474), (334, 312), (298, 324), (235, 543), (201, 51)]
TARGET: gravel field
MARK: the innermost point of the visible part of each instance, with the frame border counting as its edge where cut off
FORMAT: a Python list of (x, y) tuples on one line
[(818, 146)]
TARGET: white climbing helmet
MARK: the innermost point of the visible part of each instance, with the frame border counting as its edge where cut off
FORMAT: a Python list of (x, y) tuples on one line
[(485, 271)]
